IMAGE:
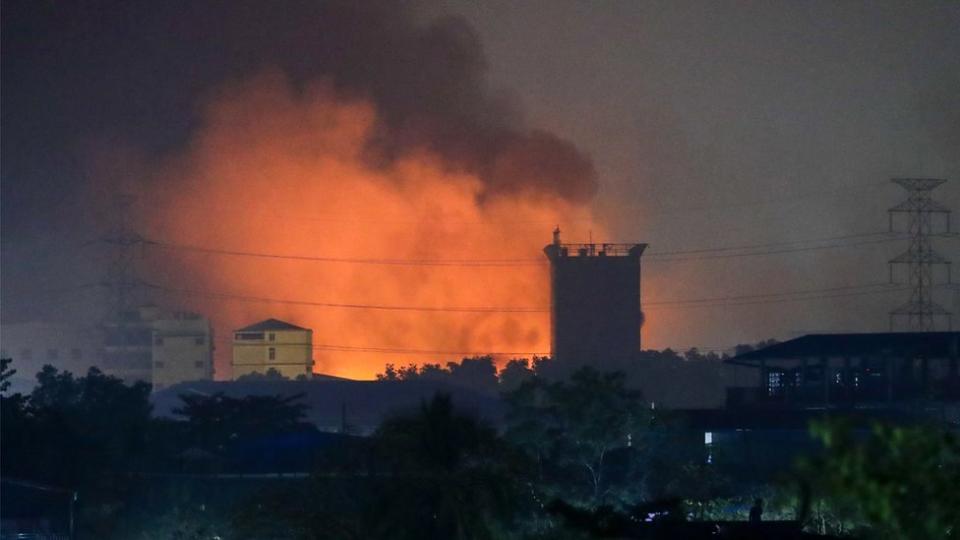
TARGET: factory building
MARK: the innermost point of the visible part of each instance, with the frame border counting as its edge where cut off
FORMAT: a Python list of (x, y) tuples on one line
[(273, 344), (595, 310), (876, 370)]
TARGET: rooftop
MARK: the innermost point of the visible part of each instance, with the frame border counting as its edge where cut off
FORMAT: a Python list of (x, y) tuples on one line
[(900, 344), (270, 324), (594, 250), (559, 249)]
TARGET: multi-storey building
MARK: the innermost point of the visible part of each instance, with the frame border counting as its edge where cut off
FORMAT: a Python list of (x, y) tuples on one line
[(128, 344), (273, 344), (157, 347), (182, 350)]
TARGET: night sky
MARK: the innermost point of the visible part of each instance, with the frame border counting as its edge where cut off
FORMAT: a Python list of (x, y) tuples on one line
[(688, 125)]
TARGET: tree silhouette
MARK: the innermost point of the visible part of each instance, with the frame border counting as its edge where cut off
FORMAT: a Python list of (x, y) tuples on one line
[(579, 432), (5, 374), (450, 473), (216, 420)]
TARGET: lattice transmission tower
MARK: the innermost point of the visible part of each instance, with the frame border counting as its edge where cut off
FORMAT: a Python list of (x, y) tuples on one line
[(920, 313), (122, 280)]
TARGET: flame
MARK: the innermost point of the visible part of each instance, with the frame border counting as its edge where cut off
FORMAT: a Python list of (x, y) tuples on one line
[(281, 170)]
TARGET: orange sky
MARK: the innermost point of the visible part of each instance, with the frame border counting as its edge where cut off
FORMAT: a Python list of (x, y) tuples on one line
[(281, 171)]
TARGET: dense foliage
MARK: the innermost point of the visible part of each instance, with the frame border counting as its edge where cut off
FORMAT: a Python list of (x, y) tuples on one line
[(578, 456), (902, 481)]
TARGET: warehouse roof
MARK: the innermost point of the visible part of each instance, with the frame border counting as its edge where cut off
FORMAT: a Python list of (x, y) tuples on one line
[(900, 344)]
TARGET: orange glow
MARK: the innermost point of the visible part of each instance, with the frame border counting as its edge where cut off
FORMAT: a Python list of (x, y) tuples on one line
[(279, 170)]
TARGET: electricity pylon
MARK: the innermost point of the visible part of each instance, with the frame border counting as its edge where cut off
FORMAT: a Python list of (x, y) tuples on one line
[(920, 313)]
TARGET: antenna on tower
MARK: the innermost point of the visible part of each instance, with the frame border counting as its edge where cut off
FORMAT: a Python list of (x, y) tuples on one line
[(920, 313)]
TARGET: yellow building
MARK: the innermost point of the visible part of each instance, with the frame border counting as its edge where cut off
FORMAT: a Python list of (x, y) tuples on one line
[(273, 344), (182, 349)]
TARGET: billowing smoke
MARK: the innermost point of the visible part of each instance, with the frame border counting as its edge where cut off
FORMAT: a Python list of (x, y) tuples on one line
[(390, 150)]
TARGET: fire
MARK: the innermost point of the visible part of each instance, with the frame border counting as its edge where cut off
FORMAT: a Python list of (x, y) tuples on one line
[(283, 170)]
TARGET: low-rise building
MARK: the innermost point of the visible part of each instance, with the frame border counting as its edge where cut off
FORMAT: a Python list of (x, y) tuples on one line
[(273, 344), (853, 371)]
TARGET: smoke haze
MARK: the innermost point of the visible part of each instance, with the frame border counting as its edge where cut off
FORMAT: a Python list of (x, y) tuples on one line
[(280, 170), (685, 124)]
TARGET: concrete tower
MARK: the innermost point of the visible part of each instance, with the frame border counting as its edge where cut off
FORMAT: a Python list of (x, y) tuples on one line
[(595, 311)]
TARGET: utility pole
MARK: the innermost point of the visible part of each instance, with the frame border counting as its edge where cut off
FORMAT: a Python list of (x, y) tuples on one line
[(920, 313)]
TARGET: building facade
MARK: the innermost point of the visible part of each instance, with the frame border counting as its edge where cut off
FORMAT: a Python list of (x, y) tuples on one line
[(128, 344), (158, 347), (182, 350), (273, 344), (595, 308), (853, 371)]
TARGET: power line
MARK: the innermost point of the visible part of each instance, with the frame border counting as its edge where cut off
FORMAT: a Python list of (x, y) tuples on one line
[(396, 262), (248, 298), (869, 288), (404, 350), (666, 256), (769, 245), (797, 299), (655, 258), (751, 299)]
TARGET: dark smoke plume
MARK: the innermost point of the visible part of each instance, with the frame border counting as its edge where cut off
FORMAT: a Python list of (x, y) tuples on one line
[(427, 81)]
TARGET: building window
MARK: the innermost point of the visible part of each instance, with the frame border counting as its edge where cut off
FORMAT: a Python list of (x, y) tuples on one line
[(76, 354), (272, 336), (158, 364), (249, 336), (708, 443), (272, 353), (199, 341), (774, 383), (199, 364)]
